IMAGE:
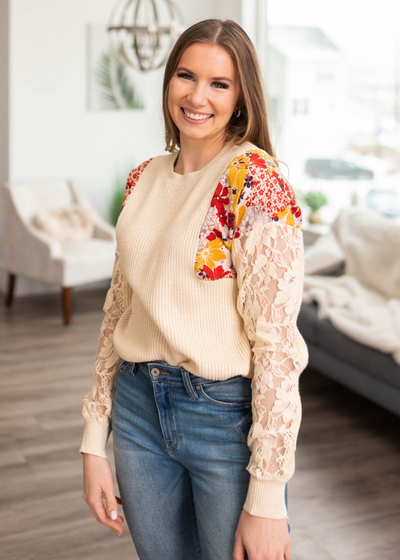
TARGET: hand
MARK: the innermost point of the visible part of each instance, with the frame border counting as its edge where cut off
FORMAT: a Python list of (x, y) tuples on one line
[(261, 538), (98, 484)]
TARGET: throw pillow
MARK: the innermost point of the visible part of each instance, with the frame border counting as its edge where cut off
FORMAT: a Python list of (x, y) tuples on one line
[(66, 224)]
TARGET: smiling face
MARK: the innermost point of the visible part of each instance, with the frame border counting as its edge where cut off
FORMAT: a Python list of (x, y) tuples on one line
[(203, 92)]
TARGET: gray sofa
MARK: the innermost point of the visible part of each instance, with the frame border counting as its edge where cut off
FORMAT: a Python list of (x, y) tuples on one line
[(367, 371)]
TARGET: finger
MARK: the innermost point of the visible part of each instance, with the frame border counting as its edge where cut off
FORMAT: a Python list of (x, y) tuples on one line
[(98, 511), (114, 526), (112, 505), (239, 551), (119, 517)]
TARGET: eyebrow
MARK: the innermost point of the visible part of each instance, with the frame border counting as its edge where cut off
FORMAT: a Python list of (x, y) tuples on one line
[(193, 74)]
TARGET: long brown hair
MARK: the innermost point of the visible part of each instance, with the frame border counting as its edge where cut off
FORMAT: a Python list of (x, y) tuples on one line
[(252, 124)]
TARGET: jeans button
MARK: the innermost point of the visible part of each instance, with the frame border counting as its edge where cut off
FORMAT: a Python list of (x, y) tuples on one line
[(155, 371)]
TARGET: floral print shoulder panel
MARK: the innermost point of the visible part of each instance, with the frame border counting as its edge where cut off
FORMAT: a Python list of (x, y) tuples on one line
[(133, 178), (252, 189)]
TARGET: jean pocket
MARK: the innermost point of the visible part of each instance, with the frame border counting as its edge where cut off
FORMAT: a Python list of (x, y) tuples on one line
[(127, 368), (235, 392)]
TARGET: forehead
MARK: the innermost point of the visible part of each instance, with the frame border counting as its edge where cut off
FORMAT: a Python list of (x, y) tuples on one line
[(206, 59)]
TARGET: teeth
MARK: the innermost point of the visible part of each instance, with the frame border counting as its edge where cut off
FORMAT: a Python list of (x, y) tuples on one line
[(196, 116)]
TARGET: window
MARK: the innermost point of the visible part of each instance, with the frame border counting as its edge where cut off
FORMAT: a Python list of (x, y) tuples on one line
[(325, 75), (300, 106), (339, 95), (275, 103)]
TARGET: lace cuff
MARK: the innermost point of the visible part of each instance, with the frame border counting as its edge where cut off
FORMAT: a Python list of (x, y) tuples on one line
[(97, 404), (270, 267)]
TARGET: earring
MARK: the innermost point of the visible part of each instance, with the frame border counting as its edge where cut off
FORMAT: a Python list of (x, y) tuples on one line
[(237, 114)]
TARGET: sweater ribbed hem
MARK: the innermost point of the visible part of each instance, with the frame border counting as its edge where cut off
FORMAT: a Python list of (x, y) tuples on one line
[(95, 437), (266, 498)]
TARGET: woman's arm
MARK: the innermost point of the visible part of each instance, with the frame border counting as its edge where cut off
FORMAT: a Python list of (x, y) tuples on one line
[(270, 280), (97, 475), (97, 404), (268, 255)]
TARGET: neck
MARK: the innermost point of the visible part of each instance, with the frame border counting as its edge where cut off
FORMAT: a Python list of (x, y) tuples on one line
[(195, 154)]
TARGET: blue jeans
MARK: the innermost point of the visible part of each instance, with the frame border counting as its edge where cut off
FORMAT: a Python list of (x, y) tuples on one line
[(180, 448)]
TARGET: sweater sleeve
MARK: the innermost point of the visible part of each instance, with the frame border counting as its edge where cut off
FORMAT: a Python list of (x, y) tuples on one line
[(267, 253), (97, 404)]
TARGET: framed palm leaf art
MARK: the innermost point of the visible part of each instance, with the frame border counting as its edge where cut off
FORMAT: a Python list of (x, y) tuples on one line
[(112, 86)]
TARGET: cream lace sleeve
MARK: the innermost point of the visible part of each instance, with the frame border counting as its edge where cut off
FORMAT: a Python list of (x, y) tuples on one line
[(269, 261), (97, 403)]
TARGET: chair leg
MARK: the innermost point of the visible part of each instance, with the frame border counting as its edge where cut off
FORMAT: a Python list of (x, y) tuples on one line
[(67, 305), (9, 300)]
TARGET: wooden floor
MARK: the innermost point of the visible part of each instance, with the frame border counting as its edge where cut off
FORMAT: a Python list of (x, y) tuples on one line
[(344, 498)]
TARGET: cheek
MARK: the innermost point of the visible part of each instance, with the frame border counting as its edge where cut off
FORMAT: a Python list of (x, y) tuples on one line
[(177, 90), (173, 94), (225, 106)]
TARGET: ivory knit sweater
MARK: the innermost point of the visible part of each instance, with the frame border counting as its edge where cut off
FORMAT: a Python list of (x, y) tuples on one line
[(208, 275)]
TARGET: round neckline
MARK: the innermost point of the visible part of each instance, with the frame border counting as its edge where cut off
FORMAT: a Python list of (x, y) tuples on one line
[(193, 174)]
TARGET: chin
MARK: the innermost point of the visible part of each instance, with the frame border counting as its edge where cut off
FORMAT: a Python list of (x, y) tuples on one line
[(199, 135)]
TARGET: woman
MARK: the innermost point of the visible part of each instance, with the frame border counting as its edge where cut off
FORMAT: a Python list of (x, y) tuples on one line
[(199, 341)]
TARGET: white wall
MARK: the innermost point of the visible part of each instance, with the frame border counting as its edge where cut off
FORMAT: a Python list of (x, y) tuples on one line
[(52, 134), (4, 81)]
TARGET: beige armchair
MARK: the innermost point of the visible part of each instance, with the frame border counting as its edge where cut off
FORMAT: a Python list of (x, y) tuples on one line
[(28, 251)]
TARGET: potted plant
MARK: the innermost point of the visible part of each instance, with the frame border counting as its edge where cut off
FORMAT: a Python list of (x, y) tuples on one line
[(116, 198), (315, 200)]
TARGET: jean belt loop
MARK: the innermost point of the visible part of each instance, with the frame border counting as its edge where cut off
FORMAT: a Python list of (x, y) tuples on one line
[(188, 384)]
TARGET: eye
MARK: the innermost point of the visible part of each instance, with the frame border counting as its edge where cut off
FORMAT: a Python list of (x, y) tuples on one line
[(222, 84), (183, 75)]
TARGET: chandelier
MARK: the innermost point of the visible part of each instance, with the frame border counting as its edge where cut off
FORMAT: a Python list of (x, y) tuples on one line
[(142, 32)]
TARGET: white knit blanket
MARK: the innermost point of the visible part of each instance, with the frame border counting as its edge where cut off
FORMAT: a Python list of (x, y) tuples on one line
[(363, 303)]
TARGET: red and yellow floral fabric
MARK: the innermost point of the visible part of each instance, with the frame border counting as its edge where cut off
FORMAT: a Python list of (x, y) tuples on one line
[(252, 189), (133, 178)]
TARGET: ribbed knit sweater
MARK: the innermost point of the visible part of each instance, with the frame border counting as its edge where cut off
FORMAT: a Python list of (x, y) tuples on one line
[(208, 275)]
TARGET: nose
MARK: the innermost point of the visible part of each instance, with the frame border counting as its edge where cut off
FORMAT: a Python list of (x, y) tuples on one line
[(198, 95)]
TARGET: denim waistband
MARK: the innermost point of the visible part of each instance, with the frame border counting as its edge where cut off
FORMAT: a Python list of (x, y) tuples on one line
[(161, 371)]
